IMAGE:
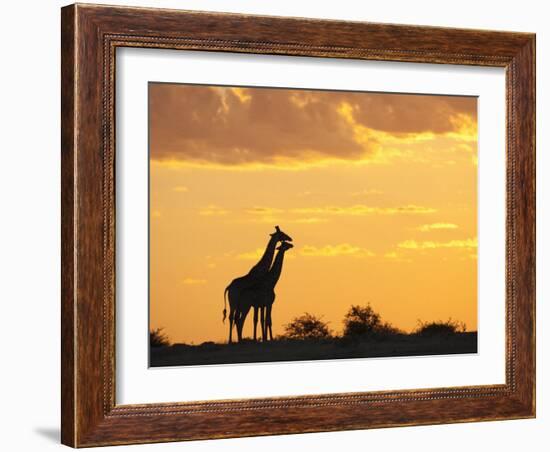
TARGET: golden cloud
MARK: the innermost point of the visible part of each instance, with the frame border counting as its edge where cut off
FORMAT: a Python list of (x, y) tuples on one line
[(264, 210), (312, 220), (273, 215), (361, 209), (241, 94), (213, 210), (248, 127), (251, 255), (426, 245), (274, 220), (393, 256), (436, 226), (342, 249), (315, 215)]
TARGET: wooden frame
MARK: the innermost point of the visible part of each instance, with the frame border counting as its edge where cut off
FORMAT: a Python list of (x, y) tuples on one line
[(90, 35)]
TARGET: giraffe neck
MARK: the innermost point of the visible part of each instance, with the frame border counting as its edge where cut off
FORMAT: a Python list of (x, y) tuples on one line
[(262, 267), (276, 269)]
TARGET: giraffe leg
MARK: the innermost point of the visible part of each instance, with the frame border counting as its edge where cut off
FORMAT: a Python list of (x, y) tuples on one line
[(240, 323), (231, 318), (255, 322), (268, 322), (262, 320)]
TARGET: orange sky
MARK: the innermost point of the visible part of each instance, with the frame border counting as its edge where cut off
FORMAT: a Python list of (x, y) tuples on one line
[(378, 191)]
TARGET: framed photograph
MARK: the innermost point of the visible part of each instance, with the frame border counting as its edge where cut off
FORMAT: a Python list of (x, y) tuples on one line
[(281, 225)]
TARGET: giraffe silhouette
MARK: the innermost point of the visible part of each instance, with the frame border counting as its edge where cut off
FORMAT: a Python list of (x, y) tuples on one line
[(233, 291), (261, 296)]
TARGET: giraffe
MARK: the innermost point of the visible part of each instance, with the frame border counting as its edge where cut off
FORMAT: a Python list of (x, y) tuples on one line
[(261, 296), (233, 290)]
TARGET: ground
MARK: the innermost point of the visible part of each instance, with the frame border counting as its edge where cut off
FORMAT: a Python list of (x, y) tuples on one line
[(304, 350)]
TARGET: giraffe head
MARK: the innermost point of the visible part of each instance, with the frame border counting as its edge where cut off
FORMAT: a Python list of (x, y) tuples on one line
[(285, 246), (280, 236)]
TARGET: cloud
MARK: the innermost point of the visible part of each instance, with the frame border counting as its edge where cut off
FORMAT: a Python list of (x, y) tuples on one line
[(206, 125), (236, 127), (251, 255), (181, 189), (311, 220), (436, 226), (264, 215), (315, 215), (264, 210), (361, 209), (405, 113), (342, 249), (274, 215), (425, 245), (393, 256), (194, 282), (275, 220), (213, 210)]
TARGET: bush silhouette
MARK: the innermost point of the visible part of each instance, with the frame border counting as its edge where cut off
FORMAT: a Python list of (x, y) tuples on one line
[(361, 320), (440, 328), (387, 329), (307, 326), (365, 321), (158, 339)]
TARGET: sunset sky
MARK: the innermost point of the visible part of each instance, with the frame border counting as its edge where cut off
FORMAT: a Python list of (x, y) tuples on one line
[(378, 191)]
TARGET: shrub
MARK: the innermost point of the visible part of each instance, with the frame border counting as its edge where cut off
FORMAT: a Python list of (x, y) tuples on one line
[(387, 329), (158, 339), (365, 321), (361, 320), (440, 328), (307, 326)]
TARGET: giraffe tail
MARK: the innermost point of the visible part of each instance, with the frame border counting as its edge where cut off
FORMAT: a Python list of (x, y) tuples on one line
[(225, 304)]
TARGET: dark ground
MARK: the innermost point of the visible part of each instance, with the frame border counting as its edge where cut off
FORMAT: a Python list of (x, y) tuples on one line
[(302, 350)]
